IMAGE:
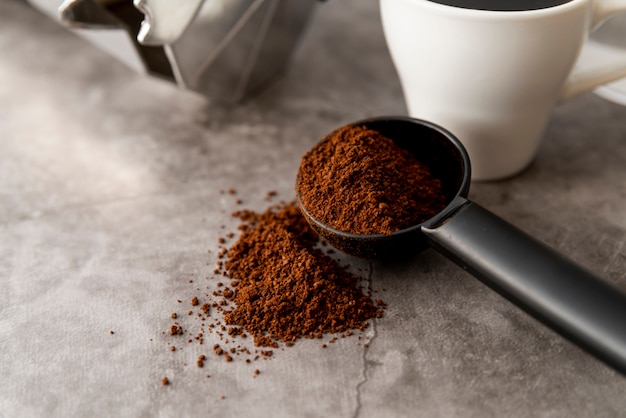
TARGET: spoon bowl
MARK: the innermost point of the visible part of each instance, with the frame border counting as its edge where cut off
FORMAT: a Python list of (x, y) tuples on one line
[(434, 147)]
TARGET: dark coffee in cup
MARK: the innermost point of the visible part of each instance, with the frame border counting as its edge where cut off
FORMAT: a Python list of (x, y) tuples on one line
[(502, 5)]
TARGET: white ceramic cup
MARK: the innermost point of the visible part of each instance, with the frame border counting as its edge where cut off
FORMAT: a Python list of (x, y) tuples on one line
[(493, 77)]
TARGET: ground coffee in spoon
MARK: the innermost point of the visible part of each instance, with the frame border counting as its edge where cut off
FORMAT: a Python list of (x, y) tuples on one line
[(357, 180)]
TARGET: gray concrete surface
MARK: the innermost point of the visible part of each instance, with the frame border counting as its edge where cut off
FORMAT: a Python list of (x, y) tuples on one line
[(110, 203)]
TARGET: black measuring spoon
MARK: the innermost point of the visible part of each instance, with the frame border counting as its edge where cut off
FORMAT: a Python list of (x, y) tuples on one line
[(556, 291)]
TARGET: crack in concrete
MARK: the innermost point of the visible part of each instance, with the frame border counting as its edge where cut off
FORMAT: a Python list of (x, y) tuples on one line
[(364, 380)]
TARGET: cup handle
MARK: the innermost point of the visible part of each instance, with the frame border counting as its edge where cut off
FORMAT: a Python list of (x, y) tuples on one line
[(598, 63)]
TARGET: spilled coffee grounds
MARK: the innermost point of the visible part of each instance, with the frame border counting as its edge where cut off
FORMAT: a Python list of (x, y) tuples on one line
[(276, 283), (357, 180), (287, 287)]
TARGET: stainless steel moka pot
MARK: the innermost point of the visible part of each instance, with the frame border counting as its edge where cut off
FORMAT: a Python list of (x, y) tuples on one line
[(224, 49)]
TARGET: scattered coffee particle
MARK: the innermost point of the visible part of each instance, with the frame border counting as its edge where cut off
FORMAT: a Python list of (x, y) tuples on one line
[(359, 181), (200, 362), (194, 301), (256, 372), (205, 308), (271, 194), (176, 329), (111, 332), (227, 357), (172, 348), (165, 381), (174, 316)]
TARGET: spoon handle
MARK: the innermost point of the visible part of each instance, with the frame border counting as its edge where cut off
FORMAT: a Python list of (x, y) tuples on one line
[(553, 289)]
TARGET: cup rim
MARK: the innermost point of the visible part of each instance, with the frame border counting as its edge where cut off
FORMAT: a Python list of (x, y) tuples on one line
[(498, 14)]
